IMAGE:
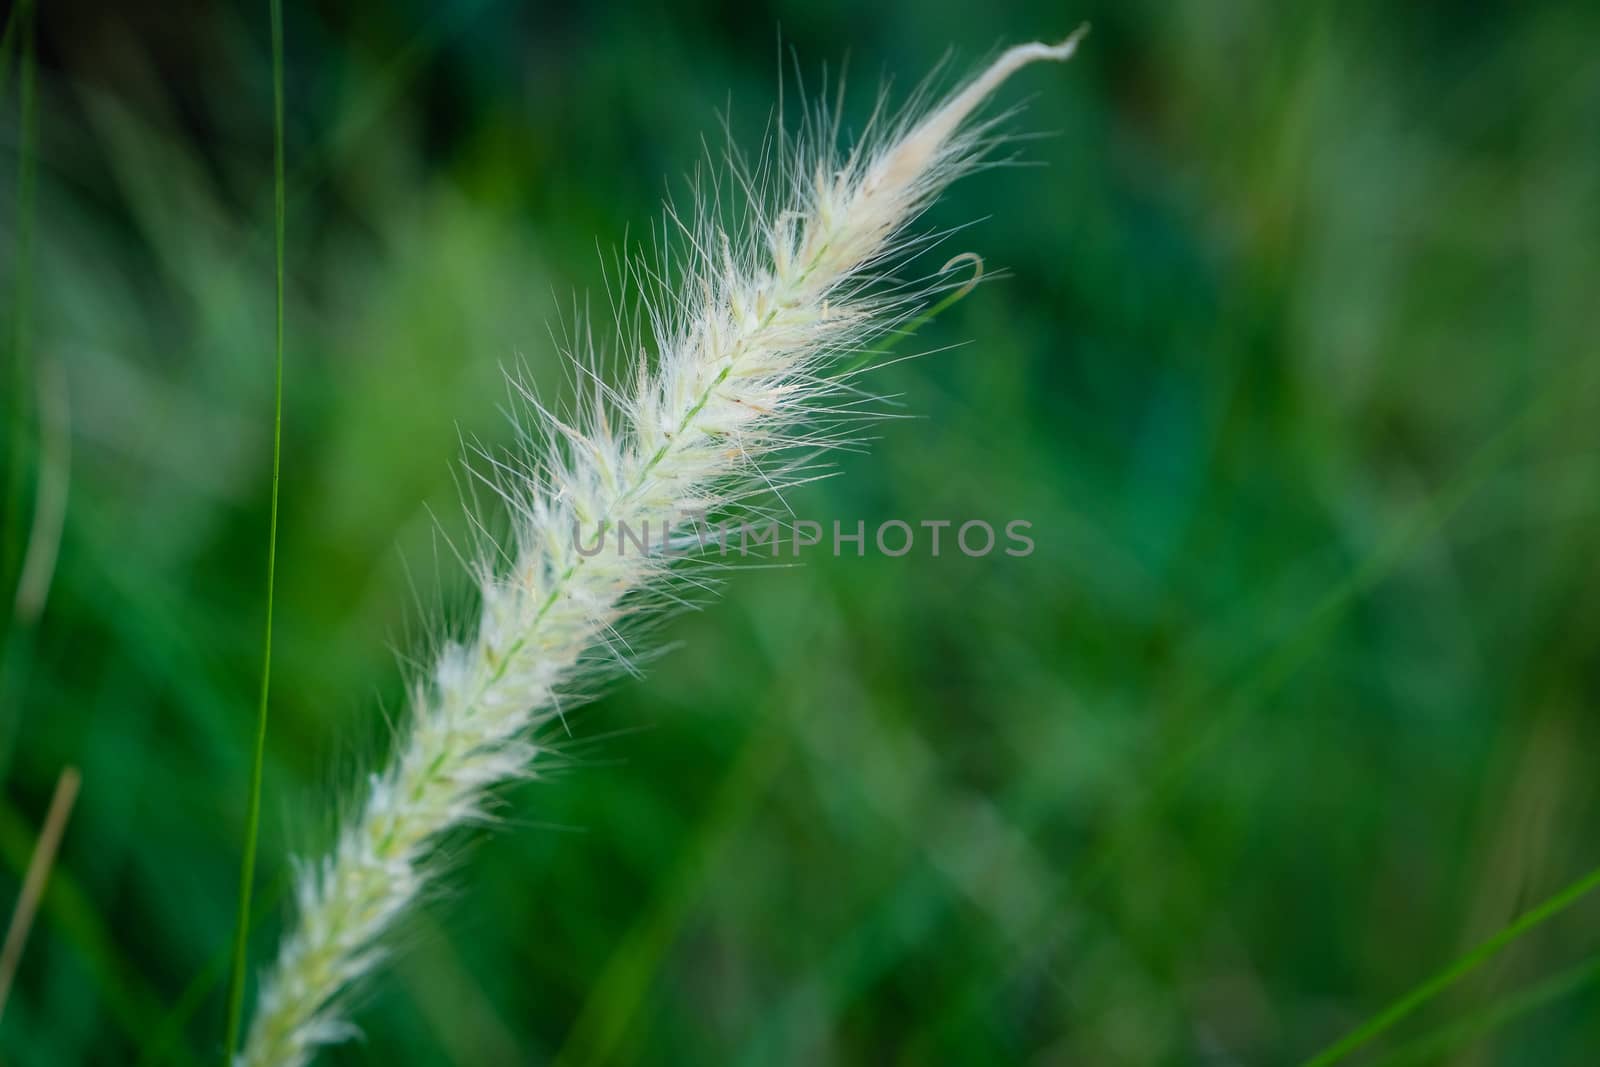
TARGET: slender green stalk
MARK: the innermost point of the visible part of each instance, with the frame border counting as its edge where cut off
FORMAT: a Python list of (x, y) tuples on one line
[(1457, 970), (1431, 1047), (247, 869), (22, 24), (14, 656)]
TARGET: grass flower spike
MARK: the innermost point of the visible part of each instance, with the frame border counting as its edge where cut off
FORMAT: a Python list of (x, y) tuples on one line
[(752, 337)]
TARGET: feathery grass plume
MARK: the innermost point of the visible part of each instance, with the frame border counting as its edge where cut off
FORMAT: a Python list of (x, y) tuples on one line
[(752, 338)]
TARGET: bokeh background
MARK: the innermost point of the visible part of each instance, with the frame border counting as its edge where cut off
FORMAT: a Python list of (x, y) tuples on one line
[(1294, 373)]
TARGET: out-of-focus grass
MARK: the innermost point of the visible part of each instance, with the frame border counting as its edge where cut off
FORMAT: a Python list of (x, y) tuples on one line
[(1293, 372)]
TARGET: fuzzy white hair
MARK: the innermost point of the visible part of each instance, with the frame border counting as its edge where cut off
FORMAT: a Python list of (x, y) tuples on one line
[(754, 337)]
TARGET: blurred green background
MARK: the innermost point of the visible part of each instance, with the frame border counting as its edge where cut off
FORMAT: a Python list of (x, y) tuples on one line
[(1294, 373)]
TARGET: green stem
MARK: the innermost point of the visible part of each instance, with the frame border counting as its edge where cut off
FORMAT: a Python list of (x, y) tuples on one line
[(1452, 974), (14, 521), (247, 869), (22, 24), (910, 329), (1433, 1046)]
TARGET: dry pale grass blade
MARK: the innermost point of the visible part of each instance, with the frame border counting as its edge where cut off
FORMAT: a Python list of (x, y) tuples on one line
[(36, 878)]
